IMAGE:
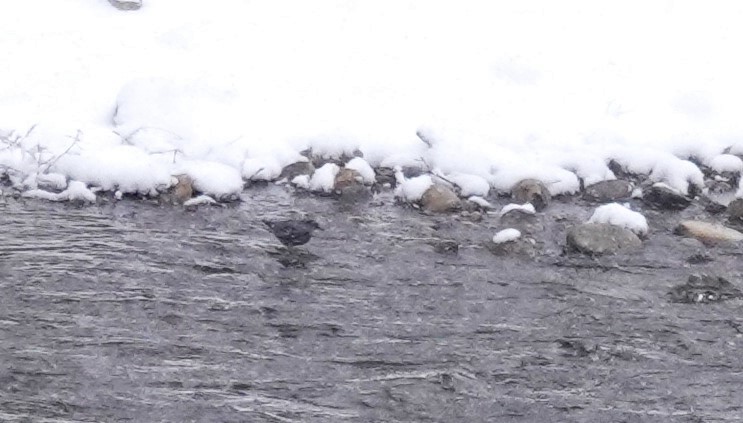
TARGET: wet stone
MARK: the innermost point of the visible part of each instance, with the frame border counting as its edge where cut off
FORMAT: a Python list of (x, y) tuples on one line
[(662, 197), (297, 169), (704, 289), (708, 233), (440, 199), (445, 246), (606, 191), (699, 258), (522, 247), (386, 175), (600, 238), (126, 4), (346, 178), (179, 193), (531, 191), (735, 210)]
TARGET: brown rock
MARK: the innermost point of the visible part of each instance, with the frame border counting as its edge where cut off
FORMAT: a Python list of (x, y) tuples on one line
[(708, 233), (531, 191), (606, 191), (440, 199), (346, 178), (181, 191)]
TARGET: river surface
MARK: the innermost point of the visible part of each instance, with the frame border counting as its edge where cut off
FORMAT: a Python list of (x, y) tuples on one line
[(131, 311)]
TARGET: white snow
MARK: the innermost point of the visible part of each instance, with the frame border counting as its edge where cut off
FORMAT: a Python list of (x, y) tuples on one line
[(364, 168), (302, 181), (470, 185), (501, 91), (506, 235), (480, 202), (412, 189), (199, 200), (213, 178), (324, 178), (76, 191), (726, 163), (527, 208), (619, 215)]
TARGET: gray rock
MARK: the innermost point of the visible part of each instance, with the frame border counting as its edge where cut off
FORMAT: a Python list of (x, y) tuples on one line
[(522, 247), (531, 191), (445, 246), (606, 191), (521, 220), (386, 175), (296, 169), (353, 194), (663, 197), (735, 210), (708, 233), (704, 289), (601, 238), (440, 199), (126, 4)]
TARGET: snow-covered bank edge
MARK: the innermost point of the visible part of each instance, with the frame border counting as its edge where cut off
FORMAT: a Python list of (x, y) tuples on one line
[(41, 163)]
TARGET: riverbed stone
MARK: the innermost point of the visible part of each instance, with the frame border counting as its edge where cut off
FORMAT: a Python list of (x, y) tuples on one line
[(607, 191), (660, 196), (126, 4), (735, 210), (297, 169), (704, 289), (440, 199), (601, 238), (708, 233), (531, 191), (346, 178), (180, 192)]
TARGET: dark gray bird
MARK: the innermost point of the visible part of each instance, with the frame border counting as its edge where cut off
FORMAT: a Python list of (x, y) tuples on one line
[(292, 232)]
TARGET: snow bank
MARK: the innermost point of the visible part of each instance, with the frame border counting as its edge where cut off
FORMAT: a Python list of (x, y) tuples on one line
[(619, 215), (169, 85)]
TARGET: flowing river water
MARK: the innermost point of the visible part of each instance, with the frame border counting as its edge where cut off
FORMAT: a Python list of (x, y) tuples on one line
[(131, 311)]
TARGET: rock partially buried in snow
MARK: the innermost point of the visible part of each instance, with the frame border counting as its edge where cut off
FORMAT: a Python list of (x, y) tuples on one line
[(440, 199), (216, 179), (349, 186), (708, 233), (662, 196), (181, 192), (601, 238), (363, 169), (618, 215), (509, 242), (346, 178), (126, 4), (605, 191), (531, 191), (76, 192), (506, 235), (296, 169), (323, 180)]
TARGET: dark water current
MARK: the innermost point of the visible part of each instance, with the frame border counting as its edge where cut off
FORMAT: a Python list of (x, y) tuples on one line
[(134, 312)]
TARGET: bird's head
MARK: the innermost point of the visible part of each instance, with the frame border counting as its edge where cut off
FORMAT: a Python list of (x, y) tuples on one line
[(313, 224)]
